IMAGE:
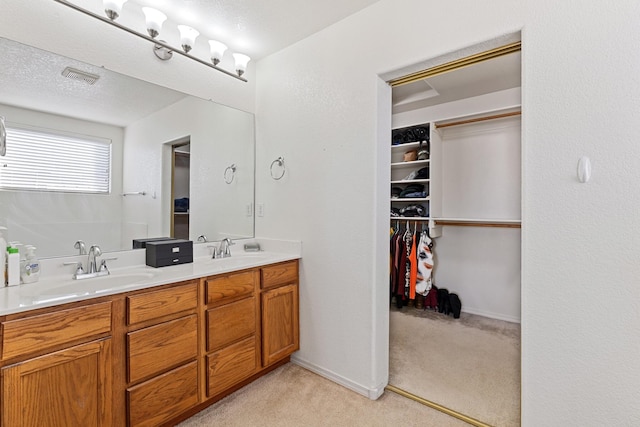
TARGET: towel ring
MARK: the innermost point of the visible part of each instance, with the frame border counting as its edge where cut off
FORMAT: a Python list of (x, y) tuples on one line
[(230, 173), (280, 162)]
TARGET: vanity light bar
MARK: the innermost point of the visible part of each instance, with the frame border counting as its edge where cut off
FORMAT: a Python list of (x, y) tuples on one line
[(148, 38)]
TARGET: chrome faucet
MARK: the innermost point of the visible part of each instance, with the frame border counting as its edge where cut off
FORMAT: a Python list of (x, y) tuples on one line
[(224, 250), (94, 251), (79, 245), (202, 238), (92, 265)]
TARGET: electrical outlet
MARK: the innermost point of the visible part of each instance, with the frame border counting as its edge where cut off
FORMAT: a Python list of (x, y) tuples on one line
[(260, 209)]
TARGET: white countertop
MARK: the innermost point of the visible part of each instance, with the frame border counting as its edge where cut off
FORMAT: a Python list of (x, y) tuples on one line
[(57, 289)]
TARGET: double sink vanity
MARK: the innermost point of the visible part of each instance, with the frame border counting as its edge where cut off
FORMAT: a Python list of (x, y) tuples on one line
[(144, 346)]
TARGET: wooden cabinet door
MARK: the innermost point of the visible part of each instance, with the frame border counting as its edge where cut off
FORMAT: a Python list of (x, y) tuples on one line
[(280, 329), (70, 387), (160, 399), (231, 365)]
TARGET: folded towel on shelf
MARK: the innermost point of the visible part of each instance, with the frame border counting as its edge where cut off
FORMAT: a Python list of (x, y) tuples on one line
[(181, 205)]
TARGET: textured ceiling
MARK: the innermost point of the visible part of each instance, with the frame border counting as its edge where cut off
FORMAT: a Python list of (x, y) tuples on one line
[(255, 27), (37, 84), (31, 78)]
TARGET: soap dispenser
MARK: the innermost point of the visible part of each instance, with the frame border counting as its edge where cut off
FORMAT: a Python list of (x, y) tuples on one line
[(30, 269)]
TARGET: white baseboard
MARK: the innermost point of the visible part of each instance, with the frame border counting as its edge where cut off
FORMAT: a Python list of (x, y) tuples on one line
[(491, 315), (371, 393)]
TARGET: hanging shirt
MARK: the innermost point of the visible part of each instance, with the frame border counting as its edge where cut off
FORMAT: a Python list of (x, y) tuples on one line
[(413, 259), (408, 239), (425, 264)]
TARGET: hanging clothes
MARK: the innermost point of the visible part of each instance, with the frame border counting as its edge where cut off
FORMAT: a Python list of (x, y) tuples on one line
[(424, 264), (408, 239), (413, 260)]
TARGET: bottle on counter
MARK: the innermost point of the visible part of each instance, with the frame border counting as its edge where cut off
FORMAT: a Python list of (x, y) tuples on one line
[(3, 257), (13, 266), (30, 266)]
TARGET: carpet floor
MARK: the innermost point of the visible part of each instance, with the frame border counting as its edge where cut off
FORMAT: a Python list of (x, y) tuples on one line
[(292, 396), (470, 364)]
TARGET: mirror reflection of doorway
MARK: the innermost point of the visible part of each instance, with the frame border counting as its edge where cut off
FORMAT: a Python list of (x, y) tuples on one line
[(180, 170), (468, 365)]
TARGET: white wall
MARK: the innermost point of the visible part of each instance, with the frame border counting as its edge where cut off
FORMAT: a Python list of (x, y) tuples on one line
[(53, 221), (581, 356), (321, 105), (325, 118), (580, 295), (219, 136)]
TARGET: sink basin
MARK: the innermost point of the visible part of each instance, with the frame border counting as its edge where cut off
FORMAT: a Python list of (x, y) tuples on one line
[(96, 285)]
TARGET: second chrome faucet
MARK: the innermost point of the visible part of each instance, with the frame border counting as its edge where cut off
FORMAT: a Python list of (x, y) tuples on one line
[(224, 250)]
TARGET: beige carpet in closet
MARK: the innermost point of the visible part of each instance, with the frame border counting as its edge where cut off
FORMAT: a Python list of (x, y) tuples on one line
[(470, 365)]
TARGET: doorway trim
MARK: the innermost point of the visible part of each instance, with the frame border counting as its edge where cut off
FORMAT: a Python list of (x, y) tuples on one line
[(432, 71), (457, 64)]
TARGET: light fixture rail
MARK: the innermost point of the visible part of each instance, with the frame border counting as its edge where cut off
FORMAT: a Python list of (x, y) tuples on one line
[(148, 38)]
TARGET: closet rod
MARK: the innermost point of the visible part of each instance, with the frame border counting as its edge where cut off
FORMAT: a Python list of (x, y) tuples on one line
[(479, 224), (479, 119)]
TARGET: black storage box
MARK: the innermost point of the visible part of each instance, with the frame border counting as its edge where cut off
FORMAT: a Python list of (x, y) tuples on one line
[(169, 252), (142, 243)]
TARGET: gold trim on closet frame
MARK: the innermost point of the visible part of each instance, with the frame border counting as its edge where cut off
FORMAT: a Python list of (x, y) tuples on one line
[(457, 64), (436, 406)]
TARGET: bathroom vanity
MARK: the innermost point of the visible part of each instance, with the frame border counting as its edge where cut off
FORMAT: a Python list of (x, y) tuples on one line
[(155, 347)]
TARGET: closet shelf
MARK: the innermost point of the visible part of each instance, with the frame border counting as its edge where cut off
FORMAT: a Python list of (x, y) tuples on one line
[(410, 218), (399, 165), (408, 145), (406, 199), (410, 181)]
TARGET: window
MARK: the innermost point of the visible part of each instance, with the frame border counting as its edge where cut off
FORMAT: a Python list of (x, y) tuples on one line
[(41, 160)]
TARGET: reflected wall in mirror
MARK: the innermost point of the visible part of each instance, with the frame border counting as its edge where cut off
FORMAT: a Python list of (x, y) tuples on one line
[(142, 121)]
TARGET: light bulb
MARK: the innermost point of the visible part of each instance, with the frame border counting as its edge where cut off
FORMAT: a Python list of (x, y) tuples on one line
[(154, 19), (187, 37), (241, 63), (217, 50), (113, 8)]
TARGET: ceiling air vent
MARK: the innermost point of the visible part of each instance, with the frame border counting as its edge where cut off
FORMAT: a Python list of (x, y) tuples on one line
[(72, 73)]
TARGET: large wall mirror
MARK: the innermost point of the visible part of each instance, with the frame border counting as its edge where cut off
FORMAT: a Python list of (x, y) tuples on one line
[(142, 122)]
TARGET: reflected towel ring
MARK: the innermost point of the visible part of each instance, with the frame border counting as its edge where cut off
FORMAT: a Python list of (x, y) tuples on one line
[(280, 162), (230, 173)]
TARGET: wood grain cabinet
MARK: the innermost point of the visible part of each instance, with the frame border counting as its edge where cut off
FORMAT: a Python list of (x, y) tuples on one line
[(232, 330), (149, 357), (162, 353), (57, 368), (280, 322), (70, 387)]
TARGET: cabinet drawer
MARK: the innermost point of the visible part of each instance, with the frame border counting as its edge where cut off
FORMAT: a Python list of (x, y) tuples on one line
[(279, 274), (230, 287), (36, 333), (162, 398), (157, 348), (230, 322), (165, 302), (231, 365)]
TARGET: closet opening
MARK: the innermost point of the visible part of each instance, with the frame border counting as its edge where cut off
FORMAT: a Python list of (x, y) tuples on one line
[(180, 190), (455, 243)]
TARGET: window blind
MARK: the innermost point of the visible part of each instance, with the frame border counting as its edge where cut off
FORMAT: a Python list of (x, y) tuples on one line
[(41, 160)]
